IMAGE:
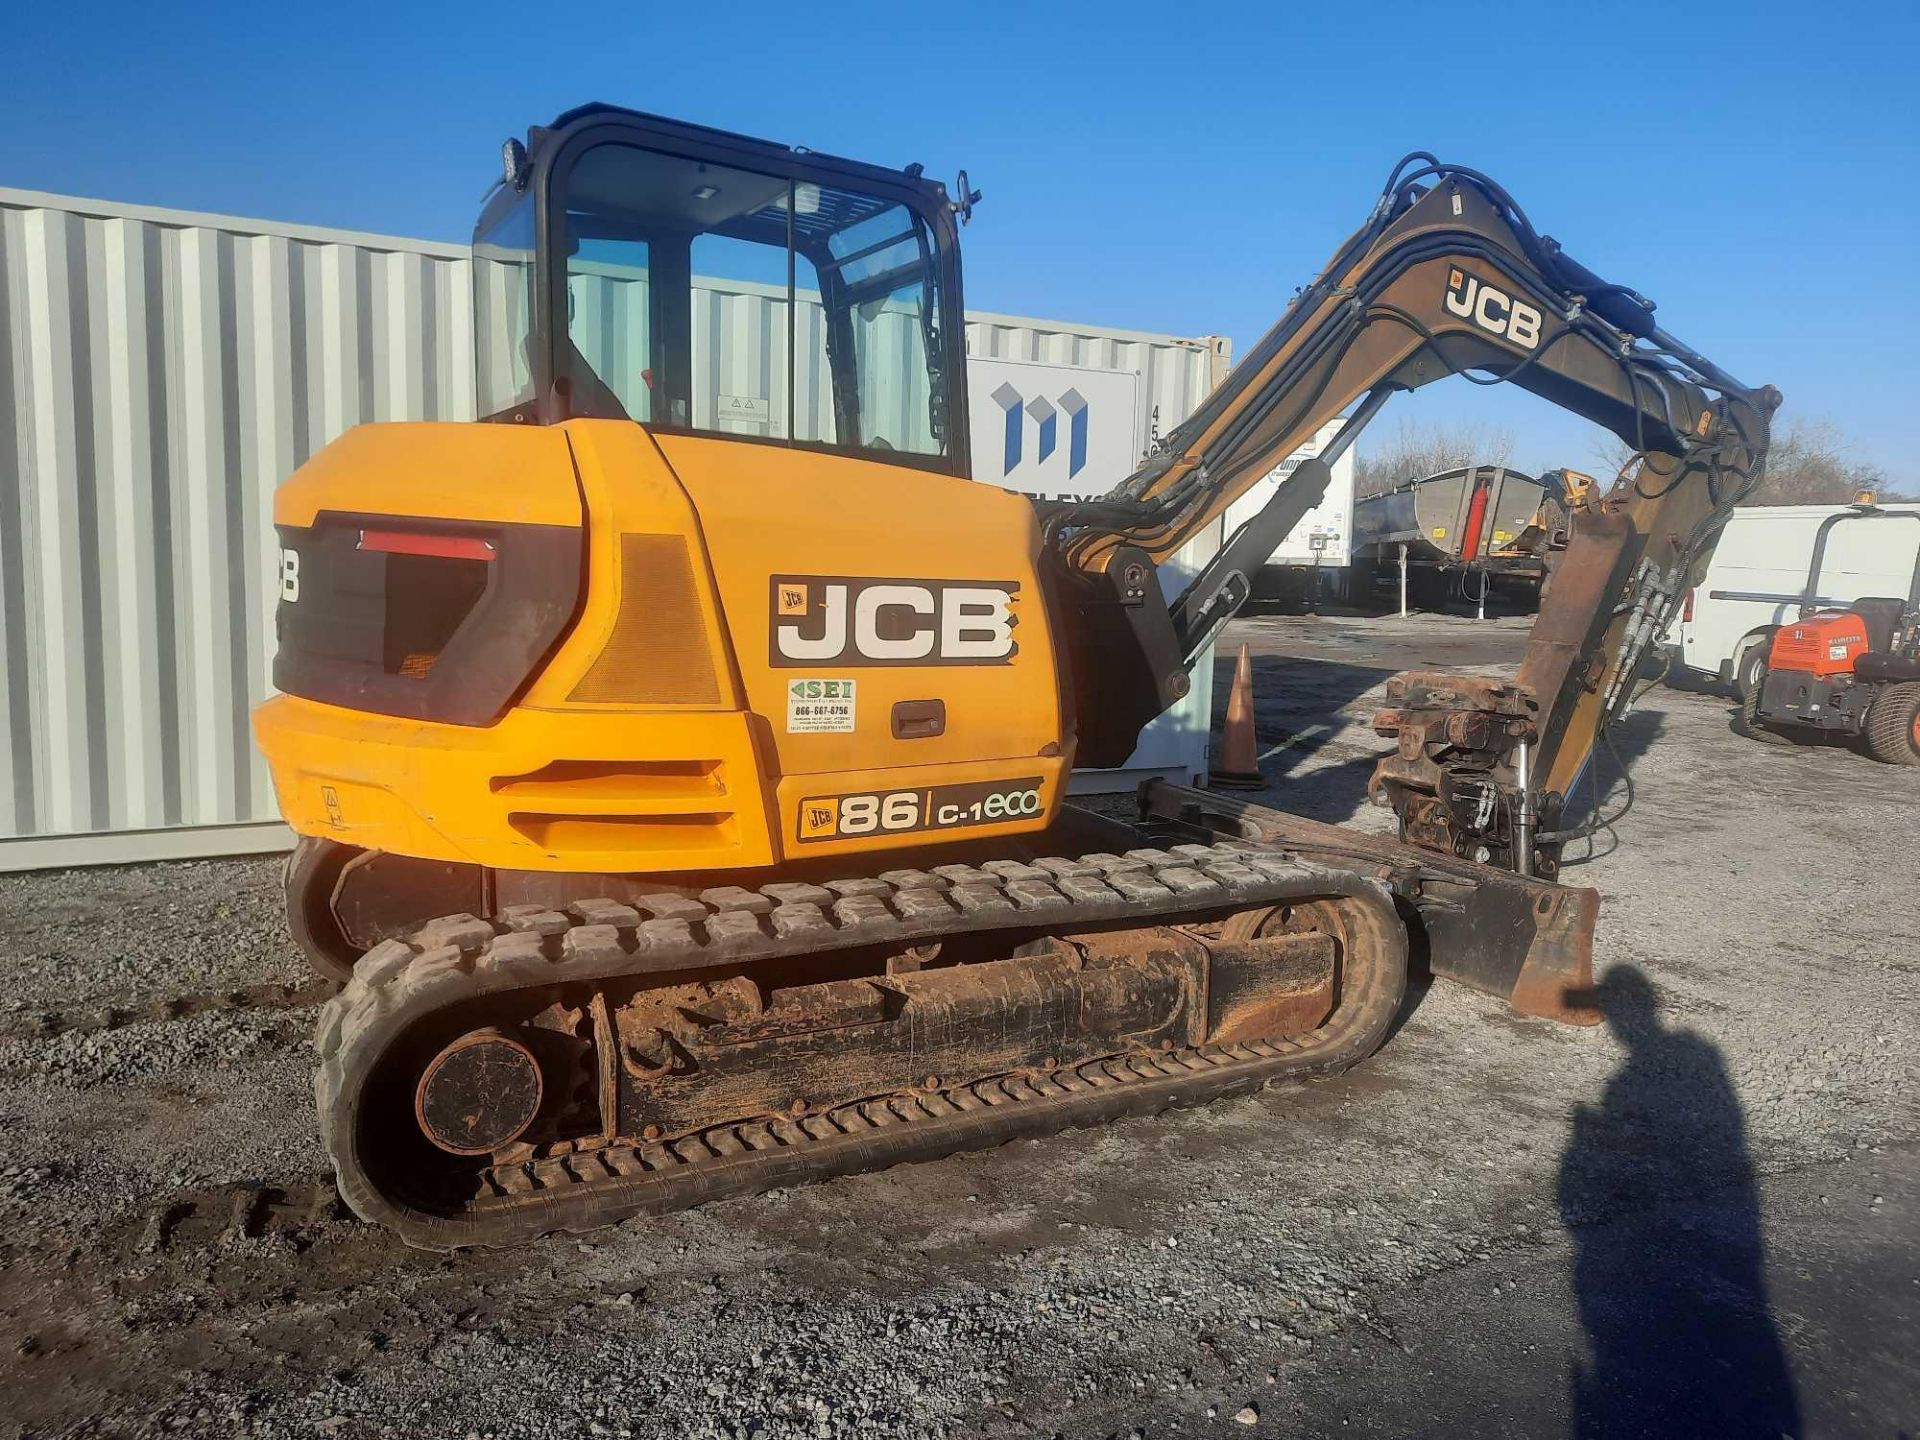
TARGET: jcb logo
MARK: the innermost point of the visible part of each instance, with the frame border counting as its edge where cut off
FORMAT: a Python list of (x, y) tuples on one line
[(1494, 311), (822, 620)]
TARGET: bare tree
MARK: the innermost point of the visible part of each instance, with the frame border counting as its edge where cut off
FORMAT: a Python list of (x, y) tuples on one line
[(1810, 463), (1413, 451)]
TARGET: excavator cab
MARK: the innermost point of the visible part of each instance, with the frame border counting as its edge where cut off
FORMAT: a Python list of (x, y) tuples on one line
[(700, 282), (710, 595)]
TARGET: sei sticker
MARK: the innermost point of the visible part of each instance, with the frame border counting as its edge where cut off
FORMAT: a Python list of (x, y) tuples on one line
[(817, 706)]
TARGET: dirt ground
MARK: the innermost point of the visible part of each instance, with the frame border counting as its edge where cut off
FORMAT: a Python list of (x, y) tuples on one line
[(1702, 1218)]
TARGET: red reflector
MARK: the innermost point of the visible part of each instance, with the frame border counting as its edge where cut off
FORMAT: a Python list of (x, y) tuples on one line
[(447, 547), (1686, 608)]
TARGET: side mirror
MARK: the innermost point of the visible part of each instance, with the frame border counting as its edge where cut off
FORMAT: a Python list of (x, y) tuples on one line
[(515, 168), (969, 197)]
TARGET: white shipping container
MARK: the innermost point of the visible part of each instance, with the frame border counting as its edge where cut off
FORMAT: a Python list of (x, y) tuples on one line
[(160, 372)]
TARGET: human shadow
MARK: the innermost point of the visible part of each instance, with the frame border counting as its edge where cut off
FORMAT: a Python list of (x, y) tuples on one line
[(1657, 1188)]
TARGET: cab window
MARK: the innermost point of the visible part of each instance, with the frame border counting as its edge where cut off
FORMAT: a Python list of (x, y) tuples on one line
[(708, 298), (503, 274)]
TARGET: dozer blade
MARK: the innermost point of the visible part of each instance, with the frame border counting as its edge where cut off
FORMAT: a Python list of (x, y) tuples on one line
[(486, 1081), (1528, 941)]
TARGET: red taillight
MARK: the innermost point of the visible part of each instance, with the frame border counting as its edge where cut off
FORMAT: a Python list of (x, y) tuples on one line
[(1686, 607), (413, 542)]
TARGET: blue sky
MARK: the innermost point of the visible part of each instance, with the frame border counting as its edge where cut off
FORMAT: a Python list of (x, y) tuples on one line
[(1171, 167)]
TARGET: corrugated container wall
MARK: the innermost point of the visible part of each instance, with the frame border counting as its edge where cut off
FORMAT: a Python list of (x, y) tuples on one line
[(1118, 391), (160, 373)]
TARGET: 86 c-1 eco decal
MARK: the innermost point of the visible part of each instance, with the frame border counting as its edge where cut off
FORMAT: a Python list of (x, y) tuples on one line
[(934, 807)]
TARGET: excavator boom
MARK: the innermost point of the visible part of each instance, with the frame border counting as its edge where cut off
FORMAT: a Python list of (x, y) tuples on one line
[(1447, 277)]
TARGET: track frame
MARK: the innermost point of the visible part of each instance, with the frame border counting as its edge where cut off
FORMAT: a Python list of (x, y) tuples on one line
[(573, 1187)]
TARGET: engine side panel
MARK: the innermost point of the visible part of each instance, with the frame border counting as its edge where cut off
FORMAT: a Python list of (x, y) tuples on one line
[(890, 635)]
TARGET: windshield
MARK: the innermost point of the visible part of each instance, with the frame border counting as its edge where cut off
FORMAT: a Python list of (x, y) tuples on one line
[(709, 298)]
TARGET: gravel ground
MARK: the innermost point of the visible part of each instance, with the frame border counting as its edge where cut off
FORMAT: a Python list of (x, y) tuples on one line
[(1702, 1218)]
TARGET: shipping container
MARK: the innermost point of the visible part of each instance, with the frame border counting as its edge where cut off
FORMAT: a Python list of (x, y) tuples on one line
[(1068, 412), (161, 371)]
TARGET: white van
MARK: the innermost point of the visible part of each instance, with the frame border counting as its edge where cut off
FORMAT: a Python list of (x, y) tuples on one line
[(1773, 560)]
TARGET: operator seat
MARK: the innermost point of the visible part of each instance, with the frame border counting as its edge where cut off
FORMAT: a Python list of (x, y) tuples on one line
[(1882, 616)]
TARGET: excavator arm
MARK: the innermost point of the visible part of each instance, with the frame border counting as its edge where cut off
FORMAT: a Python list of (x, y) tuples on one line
[(1446, 277)]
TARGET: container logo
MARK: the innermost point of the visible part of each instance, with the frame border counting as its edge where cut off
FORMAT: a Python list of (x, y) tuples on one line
[(1043, 417)]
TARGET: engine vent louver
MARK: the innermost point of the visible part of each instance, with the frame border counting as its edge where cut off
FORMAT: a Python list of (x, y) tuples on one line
[(658, 653)]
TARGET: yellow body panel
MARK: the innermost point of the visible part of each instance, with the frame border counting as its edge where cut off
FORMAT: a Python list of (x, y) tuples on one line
[(765, 510), (724, 774), (628, 489), (518, 473), (536, 791)]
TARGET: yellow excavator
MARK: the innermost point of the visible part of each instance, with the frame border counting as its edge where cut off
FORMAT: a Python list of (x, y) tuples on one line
[(679, 754)]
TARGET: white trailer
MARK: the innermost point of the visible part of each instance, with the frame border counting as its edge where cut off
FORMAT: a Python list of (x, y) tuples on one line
[(1313, 560), (1774, 562)]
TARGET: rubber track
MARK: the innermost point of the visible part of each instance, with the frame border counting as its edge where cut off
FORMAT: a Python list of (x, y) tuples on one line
[(462, 957)]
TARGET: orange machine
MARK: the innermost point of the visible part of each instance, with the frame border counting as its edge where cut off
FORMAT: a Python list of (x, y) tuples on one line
[(1825, 644), (1852, 673)]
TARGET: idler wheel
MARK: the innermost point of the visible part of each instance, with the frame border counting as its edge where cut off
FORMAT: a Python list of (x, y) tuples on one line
[(478, 1094)]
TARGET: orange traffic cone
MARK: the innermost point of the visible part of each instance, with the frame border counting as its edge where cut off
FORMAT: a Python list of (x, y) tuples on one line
[(1238, 766)]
